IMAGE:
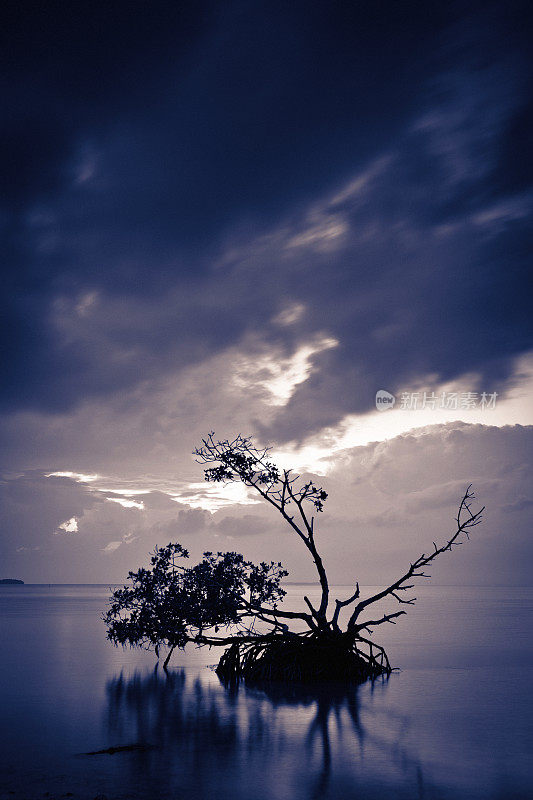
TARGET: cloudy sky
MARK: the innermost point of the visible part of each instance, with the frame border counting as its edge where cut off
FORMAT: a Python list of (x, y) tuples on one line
[(252, 217)]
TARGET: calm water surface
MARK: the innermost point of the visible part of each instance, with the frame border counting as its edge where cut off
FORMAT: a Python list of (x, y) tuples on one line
[(454, 723)]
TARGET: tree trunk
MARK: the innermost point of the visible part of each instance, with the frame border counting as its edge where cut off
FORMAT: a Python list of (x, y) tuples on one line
[(167, 659)]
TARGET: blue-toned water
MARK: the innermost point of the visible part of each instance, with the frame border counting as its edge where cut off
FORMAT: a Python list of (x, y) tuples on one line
[(454, 723)]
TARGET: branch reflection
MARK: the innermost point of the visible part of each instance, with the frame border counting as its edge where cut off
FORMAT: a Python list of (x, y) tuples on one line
[(199, 735)]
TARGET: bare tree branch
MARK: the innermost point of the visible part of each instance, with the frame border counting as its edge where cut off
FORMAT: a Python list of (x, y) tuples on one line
[(371, 623), (465, 520), (341, 604)]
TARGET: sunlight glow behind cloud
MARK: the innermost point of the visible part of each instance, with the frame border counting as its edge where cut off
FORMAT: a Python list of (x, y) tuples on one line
[(318, 453), (79, 477), (127, 503), (69, 526), (279, 376), (213, 496)]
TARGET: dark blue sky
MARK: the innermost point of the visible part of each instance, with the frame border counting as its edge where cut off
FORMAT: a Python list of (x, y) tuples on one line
[(139, 139), (247, 216)]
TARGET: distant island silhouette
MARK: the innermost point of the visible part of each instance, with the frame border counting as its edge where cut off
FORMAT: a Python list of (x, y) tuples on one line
[(10, 581)]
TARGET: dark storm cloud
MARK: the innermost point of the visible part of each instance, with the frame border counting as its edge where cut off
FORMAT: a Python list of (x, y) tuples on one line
[(33, 508), (144, 142)]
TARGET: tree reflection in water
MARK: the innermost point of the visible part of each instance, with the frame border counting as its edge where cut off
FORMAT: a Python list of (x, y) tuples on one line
[(275, 740)]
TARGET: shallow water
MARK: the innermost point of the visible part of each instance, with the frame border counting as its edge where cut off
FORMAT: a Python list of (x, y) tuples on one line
[(454, 723)]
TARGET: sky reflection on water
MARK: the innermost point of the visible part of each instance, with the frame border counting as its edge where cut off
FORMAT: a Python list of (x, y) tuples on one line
[(454, 724)]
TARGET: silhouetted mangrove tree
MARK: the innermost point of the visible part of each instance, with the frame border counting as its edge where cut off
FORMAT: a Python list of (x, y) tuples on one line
[(229, 602)]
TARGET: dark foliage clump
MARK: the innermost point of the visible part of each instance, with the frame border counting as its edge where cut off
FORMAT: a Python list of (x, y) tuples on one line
[(171, 604)]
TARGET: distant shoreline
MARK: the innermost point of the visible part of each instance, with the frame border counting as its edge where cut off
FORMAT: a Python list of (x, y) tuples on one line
[(13, 582)]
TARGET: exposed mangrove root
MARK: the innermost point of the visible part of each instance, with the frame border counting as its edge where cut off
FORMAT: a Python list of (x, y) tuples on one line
[(304, 659)]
